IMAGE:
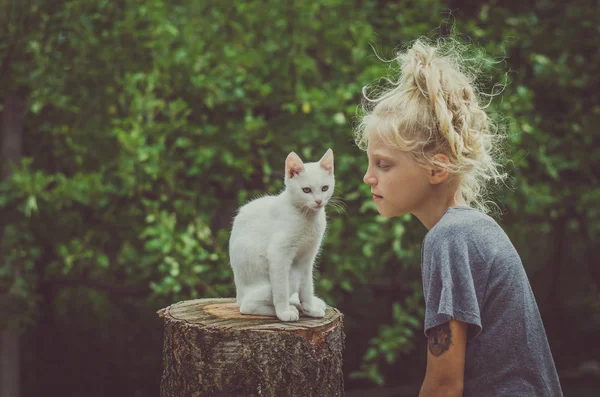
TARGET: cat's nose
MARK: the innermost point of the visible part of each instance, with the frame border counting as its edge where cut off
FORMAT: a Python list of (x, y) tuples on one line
[(318, 202)]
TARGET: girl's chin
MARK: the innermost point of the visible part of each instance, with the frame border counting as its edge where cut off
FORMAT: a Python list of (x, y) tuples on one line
[(390, 214), (384, 213)]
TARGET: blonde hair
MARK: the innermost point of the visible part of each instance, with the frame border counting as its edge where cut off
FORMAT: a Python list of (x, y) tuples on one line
[(435, 107)]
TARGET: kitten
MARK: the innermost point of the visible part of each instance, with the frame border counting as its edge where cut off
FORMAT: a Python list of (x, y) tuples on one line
[(275, 240)]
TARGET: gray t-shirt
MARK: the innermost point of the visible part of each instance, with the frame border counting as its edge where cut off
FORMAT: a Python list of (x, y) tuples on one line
[(472, 273)]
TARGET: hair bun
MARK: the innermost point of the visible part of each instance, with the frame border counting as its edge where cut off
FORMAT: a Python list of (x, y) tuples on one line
[(434, 107)]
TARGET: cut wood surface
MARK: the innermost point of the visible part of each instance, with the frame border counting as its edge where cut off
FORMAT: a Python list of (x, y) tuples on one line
[(210, 349)]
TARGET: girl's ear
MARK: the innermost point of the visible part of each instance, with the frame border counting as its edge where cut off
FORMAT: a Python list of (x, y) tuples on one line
[(293, 165), (439, 173), (326, 161)]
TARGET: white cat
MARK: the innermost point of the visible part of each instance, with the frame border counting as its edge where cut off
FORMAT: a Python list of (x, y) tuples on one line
[(275, 240)]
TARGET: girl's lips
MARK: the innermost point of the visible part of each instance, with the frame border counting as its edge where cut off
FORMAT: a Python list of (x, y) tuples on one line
[(376, 197)]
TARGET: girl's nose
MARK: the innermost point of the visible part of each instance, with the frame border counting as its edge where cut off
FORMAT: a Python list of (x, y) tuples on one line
[(368, 179)]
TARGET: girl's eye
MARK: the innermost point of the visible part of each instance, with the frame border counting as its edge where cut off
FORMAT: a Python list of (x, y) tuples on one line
[(382, 165), (324, 188), (306, 190)]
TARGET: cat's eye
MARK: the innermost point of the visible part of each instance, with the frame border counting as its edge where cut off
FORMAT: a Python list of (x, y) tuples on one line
[(324, 188), (306, 190)]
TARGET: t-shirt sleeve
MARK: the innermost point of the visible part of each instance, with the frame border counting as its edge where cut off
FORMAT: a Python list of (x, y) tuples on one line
[(448, 286)]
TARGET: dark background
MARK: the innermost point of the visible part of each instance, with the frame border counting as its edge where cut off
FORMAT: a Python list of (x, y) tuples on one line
[(133, 130)]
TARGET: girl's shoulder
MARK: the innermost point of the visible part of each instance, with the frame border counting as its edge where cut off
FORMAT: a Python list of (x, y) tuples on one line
[(464, 224)]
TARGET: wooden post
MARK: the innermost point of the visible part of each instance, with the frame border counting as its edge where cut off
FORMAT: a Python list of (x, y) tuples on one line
[(210, 349)]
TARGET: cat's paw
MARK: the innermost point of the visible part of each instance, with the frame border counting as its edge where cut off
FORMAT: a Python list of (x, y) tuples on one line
[(320, 303), (314, 308), (289, 314), (294, 299)]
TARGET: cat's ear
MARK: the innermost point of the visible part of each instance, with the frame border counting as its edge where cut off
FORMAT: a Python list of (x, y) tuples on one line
[(326, 161), (293, 165)]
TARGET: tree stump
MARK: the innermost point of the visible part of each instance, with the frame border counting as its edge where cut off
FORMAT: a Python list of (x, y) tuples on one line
[(210, 349)]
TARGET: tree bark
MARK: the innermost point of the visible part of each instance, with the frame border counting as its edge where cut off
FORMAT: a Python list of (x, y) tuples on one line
[(210, 349), (11, 141)]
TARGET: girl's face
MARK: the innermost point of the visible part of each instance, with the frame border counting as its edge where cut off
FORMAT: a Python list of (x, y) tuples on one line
[(398, 184)]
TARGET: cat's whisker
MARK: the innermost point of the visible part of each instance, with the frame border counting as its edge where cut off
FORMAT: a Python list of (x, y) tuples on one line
[(338, 208), (342, 206), (304, 207), (336, 205), (337, 201)]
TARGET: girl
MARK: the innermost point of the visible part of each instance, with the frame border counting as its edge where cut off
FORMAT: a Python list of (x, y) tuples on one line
[(431, 149)]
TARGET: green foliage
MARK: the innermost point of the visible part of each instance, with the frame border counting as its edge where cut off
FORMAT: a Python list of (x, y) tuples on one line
[(148, 123)]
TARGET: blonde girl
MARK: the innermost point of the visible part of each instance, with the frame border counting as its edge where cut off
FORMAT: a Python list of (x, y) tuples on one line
[(432, 152)]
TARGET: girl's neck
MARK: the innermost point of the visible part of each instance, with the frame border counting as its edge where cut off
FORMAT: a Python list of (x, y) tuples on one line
[(432, 211)]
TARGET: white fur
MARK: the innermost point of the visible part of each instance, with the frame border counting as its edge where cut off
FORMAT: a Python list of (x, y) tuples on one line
[(275, 240)]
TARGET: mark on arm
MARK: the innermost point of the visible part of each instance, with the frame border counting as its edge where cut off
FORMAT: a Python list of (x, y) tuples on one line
[(439, 339)]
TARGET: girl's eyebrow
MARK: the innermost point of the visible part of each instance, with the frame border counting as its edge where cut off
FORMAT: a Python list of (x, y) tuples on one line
[(382, 156)]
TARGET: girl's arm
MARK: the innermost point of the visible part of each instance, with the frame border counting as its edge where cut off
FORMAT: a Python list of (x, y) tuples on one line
[(445, 360)]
